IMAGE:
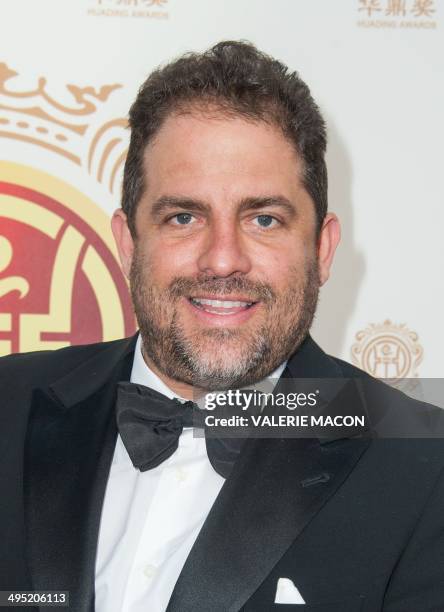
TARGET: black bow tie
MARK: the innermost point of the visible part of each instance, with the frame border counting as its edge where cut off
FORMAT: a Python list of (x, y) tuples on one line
[(150, 425)]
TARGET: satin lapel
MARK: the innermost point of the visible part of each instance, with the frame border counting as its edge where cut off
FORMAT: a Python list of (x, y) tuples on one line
[(274, 491), (276, 488), (69, 448), (310, 361)]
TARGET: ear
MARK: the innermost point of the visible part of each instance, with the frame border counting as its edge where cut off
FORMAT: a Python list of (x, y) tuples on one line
[(328, 240), (124, 240)]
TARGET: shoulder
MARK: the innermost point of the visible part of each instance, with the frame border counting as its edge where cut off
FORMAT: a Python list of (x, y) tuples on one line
[(401, 421), (22, 374), (43, 367), (350, 371)]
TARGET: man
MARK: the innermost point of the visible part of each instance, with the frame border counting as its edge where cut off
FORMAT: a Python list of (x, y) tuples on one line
[(225, 237)]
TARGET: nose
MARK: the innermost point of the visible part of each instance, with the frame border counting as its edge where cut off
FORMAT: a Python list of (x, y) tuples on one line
[(224, 252)]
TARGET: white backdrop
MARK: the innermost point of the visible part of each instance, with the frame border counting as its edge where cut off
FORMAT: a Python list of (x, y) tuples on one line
[(375, 68)]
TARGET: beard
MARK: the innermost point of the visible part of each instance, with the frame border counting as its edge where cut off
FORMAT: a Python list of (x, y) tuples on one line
[(214, 359)]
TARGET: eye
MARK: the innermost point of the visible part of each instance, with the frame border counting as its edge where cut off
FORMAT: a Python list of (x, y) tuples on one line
[(182, 219), (266, 221)]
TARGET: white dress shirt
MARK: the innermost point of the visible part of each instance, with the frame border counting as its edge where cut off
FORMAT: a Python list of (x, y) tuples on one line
[(150, 520)]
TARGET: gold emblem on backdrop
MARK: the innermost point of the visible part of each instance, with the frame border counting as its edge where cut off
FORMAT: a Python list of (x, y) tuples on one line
[(60, 279), (388, 350), (72, 131), (389, 14)]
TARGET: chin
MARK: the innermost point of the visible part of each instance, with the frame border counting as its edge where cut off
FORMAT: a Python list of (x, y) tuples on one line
[(220, 338), (223, 353), (225, 365)]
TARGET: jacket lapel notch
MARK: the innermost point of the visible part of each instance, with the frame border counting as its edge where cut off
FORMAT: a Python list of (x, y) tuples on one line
[(93, 373)]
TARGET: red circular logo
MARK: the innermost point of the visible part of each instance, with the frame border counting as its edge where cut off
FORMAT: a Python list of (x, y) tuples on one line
[(60, 283)]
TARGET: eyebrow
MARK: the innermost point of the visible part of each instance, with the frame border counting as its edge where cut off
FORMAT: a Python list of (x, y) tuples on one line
[(278, 201), (165, 203)]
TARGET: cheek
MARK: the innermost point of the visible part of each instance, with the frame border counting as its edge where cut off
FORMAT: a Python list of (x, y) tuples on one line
[(277, 265), (167, 261)]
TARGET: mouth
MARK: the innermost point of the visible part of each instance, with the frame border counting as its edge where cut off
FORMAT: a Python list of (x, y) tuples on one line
[(221, 306)]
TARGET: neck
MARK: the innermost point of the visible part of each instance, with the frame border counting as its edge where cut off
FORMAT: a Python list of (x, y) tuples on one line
[(181, 389)]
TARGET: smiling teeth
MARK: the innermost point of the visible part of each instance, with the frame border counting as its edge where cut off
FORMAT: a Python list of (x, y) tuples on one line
[(221, 303)]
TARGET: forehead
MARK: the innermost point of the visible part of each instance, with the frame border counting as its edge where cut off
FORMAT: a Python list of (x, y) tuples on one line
[(200, 151)]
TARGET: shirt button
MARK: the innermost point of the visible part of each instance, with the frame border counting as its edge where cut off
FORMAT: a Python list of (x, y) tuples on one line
[(149, 570), (181, 474)]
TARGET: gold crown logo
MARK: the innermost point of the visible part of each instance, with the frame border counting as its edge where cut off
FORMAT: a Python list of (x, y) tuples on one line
[(35, 117), (388, 350)]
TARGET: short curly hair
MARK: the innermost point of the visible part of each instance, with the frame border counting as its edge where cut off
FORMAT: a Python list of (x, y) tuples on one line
[(237, 79)]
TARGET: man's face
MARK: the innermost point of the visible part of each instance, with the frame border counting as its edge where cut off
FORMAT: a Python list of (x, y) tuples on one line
[(226, 266)]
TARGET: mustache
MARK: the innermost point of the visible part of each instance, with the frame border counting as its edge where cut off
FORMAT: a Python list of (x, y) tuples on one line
[(254, 291)]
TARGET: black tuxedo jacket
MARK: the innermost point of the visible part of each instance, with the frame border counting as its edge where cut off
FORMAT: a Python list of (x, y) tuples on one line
[(355, 523)]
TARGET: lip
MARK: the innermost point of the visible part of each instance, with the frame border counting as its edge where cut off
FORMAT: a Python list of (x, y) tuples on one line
[(221, 320)]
